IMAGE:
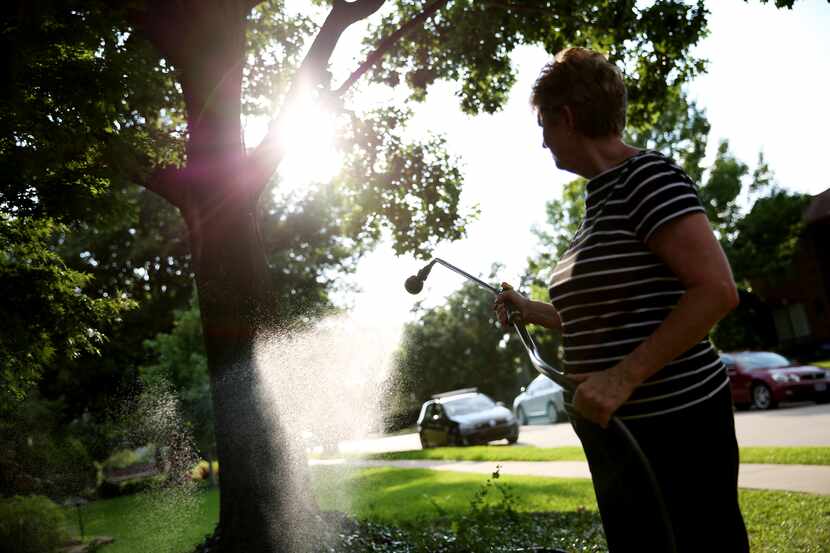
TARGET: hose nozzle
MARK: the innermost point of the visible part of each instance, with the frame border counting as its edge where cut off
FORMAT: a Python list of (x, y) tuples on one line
[(415, 283)]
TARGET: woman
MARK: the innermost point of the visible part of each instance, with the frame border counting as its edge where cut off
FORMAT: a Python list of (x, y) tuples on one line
[(634, 296)]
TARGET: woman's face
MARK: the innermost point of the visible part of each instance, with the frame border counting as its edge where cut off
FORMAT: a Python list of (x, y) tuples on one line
[(558, 137)]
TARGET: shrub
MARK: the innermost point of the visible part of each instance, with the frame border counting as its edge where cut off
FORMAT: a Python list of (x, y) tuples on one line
[(38, 456), (202, 472), (32, 524), (109, 489), (122, 459)]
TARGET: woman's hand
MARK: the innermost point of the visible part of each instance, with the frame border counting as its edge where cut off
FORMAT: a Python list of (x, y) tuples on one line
[(599, 394), (512, 297), (533, 312)]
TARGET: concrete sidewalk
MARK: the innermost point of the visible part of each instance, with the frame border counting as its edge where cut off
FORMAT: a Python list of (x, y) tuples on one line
[(797, 478)]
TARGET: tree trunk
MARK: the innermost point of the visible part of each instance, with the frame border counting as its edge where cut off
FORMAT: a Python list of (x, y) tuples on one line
[(265, 504), (209, 457), (265, 500)]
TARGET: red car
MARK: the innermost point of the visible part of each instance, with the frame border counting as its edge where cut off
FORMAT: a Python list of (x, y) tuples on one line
[(761, 379)]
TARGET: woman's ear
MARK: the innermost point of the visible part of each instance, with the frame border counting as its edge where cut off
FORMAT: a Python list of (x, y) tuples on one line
[(568, 118)]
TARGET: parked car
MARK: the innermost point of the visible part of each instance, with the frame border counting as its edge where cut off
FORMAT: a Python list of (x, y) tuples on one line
[(762, 379), (465, 417), (542, 398)]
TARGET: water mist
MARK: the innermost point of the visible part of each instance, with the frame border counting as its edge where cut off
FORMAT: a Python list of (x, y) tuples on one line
[(322, 385)]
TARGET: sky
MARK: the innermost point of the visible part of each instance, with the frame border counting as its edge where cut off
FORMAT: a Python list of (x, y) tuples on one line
[(767, 89)]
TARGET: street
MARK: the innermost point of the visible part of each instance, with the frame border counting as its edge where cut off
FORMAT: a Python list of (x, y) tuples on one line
[(794, 424)]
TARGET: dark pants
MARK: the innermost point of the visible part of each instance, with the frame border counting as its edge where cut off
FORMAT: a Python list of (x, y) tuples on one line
[(694, 456)]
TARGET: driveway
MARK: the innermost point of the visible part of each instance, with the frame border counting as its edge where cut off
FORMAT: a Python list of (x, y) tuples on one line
[(794, 424)]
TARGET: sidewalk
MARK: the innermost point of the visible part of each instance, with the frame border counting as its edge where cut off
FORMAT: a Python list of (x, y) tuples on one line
[(797, 478)]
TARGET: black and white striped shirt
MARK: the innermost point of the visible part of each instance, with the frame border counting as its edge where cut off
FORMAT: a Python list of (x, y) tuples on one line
[(612, 291)]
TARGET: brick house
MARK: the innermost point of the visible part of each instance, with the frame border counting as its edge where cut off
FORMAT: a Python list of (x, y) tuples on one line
[(800, 304)]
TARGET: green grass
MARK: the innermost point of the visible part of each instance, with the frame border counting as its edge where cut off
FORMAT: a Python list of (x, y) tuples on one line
[(786, 455), (772, 455), (822, 364), (780, 522), (786, 521), (398, 496), (151, 522), (487, 453)]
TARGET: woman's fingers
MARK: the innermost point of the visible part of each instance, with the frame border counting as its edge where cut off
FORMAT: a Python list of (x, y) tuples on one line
[(591, 407), (589, 401), (599, 394), (508, 295)]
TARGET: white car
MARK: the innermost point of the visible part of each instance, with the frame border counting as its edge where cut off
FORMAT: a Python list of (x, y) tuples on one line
[(541, 399)]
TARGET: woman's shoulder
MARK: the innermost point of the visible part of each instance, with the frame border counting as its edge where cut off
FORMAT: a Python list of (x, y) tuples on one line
[(651, 158), (653, 168)]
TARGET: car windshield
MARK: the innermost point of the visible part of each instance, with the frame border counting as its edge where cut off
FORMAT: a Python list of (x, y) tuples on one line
[(762, 360), (467, 405)]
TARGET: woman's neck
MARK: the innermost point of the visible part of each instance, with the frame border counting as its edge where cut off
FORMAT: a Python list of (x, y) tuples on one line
[(601, 154)]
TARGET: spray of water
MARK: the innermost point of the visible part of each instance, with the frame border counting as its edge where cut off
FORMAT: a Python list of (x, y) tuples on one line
[(316, 387), (169, 503), (325, 384)]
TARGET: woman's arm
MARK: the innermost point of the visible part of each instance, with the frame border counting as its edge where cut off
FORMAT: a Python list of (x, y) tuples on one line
[(688, 246), (534, 312)]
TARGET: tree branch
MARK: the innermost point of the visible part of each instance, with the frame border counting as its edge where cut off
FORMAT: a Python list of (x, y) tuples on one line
[(168, 183), (388, 42), (519, 7), (268, 155)]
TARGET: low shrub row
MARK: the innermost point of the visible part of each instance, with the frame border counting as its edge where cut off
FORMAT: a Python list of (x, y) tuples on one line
[(31, 524), (110, 488)]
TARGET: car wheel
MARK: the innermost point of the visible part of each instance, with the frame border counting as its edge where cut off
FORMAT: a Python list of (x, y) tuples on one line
[(514, 437), (762, 397), (455, 439), (553, 414), (520, 414), (424, 443)]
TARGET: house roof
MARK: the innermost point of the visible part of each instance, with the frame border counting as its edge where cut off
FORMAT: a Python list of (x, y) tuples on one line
[(819, 208)]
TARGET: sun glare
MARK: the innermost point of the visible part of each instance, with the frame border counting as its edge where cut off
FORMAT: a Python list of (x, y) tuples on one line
[(309, 137)]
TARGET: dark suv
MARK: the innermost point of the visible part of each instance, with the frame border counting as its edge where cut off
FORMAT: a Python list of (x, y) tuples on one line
[(465, 417)]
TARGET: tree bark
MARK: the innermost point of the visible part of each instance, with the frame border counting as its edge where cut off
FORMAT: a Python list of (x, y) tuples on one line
[(263, 501)]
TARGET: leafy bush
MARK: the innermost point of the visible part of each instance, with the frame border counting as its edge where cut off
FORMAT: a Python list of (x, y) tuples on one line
[(32, 524), (40, 457), (109, 489), (122, 459), (486, 527)]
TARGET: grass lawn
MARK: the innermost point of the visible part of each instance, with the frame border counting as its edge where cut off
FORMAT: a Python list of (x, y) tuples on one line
[(781, 522), (773, 455), (822, 364), (486, 453), (163, 522)]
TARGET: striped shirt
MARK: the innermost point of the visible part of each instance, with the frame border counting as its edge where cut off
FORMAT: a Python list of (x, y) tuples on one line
[(612, 291)]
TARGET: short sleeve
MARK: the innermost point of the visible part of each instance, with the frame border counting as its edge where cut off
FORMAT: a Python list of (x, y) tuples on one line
[(659, 193)]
